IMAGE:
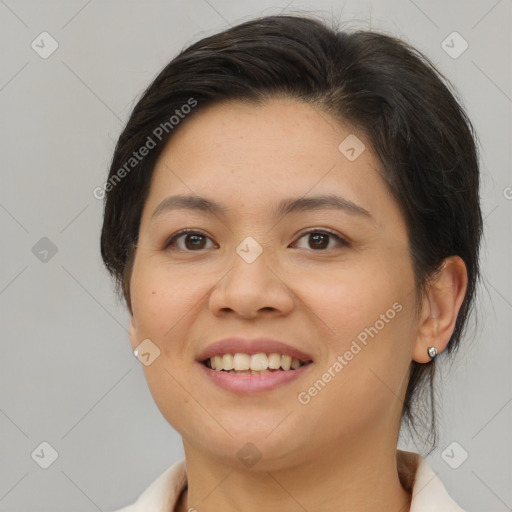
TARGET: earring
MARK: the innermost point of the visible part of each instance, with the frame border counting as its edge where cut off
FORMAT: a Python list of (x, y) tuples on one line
[(432, 352)]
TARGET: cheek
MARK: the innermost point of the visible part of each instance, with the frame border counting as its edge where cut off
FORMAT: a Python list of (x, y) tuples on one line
[(349, 298), (367, 312), (163, 304), (161, 297)]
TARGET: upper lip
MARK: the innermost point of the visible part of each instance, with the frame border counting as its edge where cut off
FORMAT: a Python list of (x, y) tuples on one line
[(252, 346)]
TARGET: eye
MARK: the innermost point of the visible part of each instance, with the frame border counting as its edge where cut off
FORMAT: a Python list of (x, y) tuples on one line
[(195, 240), (192, 241), (319, 239)]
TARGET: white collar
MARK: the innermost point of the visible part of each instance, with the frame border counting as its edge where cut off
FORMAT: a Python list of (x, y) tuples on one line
[(428, 492)]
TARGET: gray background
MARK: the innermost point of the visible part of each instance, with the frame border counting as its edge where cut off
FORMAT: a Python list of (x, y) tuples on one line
[(68, 375)]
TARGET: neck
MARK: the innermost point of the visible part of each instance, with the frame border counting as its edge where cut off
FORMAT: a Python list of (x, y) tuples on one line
[(343, 479)]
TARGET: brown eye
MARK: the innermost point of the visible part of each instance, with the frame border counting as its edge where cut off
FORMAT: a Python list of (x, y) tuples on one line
[(319, 240), (190, 241)]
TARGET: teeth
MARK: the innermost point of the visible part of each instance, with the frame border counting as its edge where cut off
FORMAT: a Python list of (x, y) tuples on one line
[(227, 362), (259, 362), (274, 361), (286, 362), (248, 372), (242, 362), (254, 364), (295, 364)]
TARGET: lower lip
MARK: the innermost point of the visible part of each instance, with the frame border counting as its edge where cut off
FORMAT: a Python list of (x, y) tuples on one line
[(252, 384)]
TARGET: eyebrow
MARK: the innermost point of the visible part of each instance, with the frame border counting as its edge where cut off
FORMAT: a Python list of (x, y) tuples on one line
[(286, 206)]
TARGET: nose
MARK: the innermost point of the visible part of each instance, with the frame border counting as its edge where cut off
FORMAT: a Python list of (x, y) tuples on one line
[(249, 289)]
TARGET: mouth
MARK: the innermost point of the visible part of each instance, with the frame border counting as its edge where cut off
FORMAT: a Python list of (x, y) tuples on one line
[(253, 374), (254, 364)]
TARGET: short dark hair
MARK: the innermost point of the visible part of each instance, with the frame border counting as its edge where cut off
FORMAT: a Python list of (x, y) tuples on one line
[(374, 82)]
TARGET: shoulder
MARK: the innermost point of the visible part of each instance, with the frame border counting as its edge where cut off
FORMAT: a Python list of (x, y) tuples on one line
[(162, 493), (428, 492)]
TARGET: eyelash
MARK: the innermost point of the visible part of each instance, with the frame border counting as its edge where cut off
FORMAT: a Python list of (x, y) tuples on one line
[(340, 240)]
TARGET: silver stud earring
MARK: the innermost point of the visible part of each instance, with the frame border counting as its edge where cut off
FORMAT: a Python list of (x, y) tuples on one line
[(432, 352)]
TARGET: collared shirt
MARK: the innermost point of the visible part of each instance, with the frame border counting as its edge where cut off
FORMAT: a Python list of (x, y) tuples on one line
[(428, 492)]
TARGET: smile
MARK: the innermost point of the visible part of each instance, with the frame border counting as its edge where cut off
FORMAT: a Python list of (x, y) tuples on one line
[(252, 364), (249, 374)]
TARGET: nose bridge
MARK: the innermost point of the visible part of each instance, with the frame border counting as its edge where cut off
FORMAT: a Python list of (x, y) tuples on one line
[(252, 264), (252, 284)]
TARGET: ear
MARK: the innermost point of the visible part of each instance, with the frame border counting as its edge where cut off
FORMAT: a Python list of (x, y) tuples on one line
[(440, 308)]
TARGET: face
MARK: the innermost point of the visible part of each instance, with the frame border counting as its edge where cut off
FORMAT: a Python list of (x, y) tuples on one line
[(334, 282)]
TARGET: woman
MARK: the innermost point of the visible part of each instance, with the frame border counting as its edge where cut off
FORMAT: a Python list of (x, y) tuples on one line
[(292, 217)]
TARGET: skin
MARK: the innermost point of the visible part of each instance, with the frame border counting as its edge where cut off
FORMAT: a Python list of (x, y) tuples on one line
[(338, 452)]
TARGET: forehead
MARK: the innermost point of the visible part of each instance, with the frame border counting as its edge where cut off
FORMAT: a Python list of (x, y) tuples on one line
[(256, 155), (249, 132)]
